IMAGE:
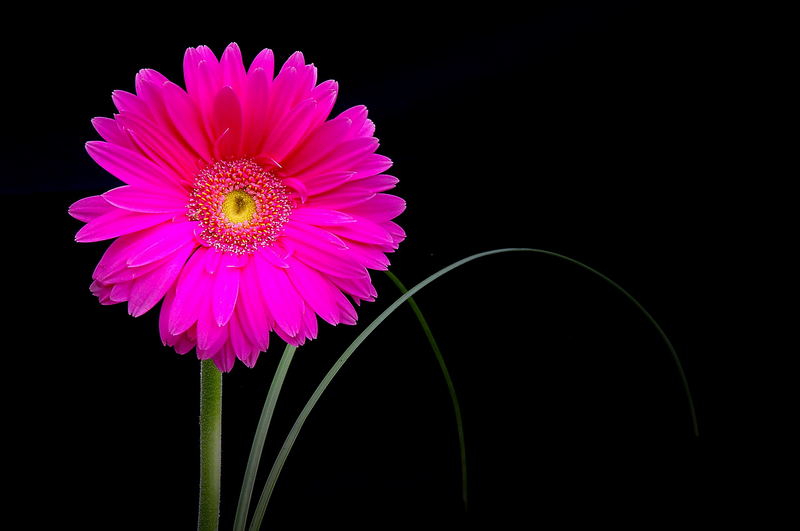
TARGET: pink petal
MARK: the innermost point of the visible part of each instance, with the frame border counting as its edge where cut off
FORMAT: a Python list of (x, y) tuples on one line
[(322, 256), (360, 288), (251, 310), (317, 145), (311, 116), (169, 238), (192, 286), (319, 294), (148, 75), (282, 300), (120, 292), (225, 358), (296, 60), (227, 119), (345, 157), (126, 247), (148, 89), (149, 289), (202, 75), (226, 290), (368, 129), (213, 261), (125, 101), (395, 230), (315, 236), (269, 254), (316, 184), (146, 200), (382, 207), (187, 120), (325, 93), (292, 84), (163, 316), (210, 336), (127, 274), (131, 167), (116, 223), (310, 321), (161, 146), (116, 255), (364, 230), (372, 164), (341, 198), (89, 208), (378, 183), (244, 350), (110, 130), (102, 292), (357, 116), (298, 187), (296, 340), (144, 146), (294, 127), (368, 255), (183, 345), (232, 67), (254, 125), (321, 216), (264, 60)]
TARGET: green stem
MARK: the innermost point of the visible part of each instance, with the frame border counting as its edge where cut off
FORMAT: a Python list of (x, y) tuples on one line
[(450, 387), (260, 438), (210, 445)]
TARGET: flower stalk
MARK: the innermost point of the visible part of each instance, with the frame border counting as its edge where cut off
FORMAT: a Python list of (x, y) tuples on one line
[(210, 445)]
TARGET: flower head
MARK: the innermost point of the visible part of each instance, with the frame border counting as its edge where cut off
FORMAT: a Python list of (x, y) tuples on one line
[(244, 208)]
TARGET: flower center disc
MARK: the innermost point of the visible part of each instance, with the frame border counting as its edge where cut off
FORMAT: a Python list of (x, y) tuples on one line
[(240, 206)]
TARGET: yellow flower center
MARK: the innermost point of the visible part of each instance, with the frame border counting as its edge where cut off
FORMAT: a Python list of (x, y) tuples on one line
[(239, 206)]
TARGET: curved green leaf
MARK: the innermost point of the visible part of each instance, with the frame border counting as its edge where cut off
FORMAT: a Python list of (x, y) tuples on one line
[(260, 438), (462, 444), (266, 494)]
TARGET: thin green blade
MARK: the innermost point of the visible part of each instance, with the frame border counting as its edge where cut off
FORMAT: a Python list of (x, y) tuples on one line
[(462, 445), (301, 419), (260, 438)]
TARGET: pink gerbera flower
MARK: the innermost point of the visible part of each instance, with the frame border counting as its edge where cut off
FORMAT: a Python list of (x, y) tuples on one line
[(243, 208)]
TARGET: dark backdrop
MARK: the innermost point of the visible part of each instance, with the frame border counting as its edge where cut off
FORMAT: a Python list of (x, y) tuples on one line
[(581, 129)]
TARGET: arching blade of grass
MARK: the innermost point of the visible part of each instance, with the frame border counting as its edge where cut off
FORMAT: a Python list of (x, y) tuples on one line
[(301, 419), (462, 445), (260, 437)]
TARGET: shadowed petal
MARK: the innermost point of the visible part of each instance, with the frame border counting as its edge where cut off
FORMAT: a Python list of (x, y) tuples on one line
[(226, 290), (232, 66), (187, 120), (116, 223), (169, 237), (382, 207), (282, 300), (146, 200), (227, 119), (89, 208), (111, 131), (131, 167), (150, 288), (327, 301), (191, 289)]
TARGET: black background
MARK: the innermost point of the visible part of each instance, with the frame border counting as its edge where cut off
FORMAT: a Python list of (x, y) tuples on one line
[(588, 130)]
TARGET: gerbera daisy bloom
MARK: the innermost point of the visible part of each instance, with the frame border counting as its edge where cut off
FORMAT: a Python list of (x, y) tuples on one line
[(244, 208)]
